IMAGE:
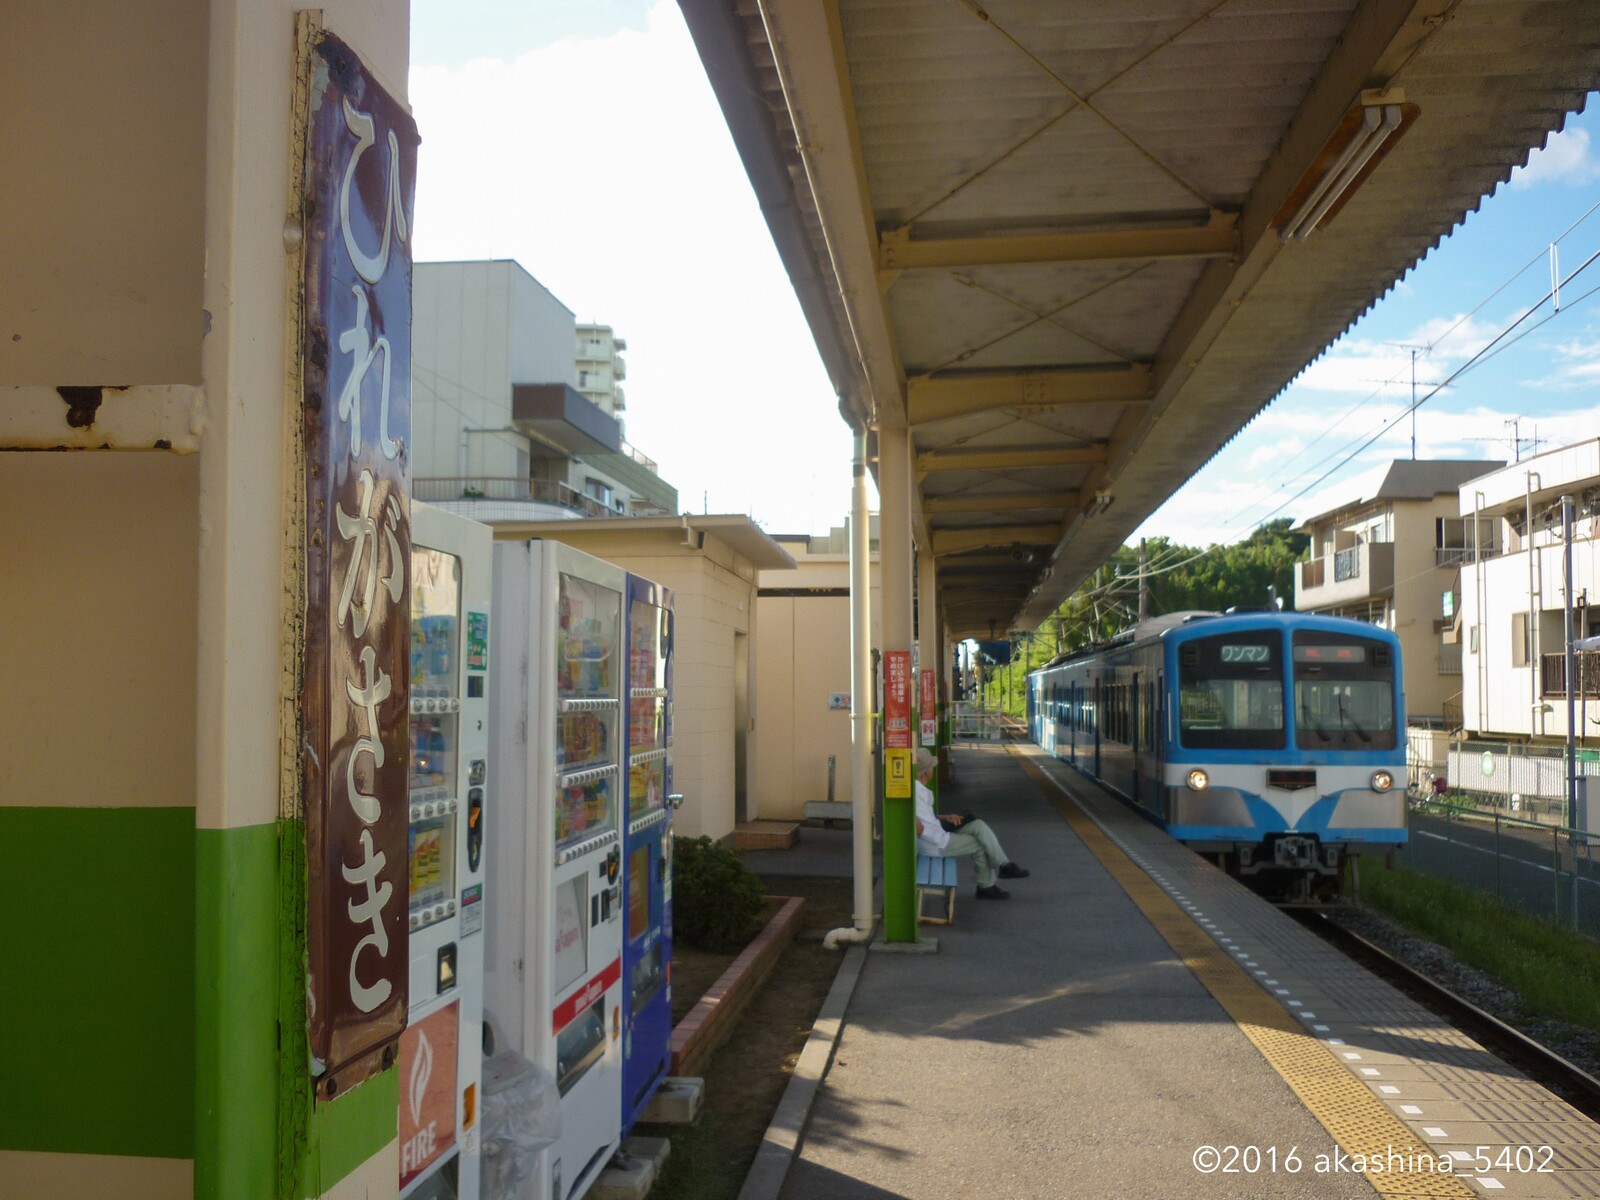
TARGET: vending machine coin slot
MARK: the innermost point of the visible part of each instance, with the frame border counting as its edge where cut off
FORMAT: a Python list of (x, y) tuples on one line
[(474, 828), (447, 967)]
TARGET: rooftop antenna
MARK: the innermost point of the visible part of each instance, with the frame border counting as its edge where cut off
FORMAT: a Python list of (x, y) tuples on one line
[(1425, 348)]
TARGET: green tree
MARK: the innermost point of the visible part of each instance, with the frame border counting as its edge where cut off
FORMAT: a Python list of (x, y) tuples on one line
[(1180, 578)]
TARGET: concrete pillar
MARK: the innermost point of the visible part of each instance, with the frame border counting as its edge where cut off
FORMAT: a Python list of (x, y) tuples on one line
[(895, 564)]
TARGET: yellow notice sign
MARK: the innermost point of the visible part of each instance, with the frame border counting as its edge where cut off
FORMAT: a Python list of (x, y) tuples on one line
[(897, 774)]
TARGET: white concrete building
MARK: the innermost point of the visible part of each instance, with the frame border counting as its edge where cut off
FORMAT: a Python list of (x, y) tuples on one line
[(502, 430), (601, 368), (1510, 602)]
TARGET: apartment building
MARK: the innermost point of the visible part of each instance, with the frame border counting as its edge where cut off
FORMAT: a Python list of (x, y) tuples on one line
[(503, 429), (601, 368), (1386, 555), (1510, 602)]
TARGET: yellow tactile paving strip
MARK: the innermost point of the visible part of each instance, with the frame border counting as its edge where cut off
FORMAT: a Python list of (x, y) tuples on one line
[(1351, 1114)]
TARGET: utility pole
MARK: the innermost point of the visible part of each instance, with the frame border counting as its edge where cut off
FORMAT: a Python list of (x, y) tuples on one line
[(1568, 666), (1144, 581)]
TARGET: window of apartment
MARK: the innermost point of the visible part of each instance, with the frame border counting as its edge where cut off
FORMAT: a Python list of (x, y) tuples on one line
[(1521, 640), (598, 489), (1453, 538)]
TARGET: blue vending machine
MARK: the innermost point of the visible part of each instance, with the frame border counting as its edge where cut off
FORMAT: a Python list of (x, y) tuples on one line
[(647, 850)]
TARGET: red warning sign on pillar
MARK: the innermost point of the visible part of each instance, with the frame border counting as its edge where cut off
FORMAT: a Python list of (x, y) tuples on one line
[(897, 700), (897, 724), (929, 708)]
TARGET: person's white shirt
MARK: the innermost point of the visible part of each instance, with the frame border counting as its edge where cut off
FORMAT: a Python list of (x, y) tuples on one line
[(932, 837)]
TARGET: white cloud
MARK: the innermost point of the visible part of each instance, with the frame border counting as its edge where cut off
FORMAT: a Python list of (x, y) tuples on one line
[(1566, 158), (604, 166)]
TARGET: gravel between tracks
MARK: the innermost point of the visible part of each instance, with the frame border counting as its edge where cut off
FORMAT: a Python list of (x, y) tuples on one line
[(1576, 1044)]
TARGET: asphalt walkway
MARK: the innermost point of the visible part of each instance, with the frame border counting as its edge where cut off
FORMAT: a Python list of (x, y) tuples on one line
[(1054, 1046)]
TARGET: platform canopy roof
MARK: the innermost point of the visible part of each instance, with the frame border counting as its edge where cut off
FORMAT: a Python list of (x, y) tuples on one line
[(1047, 235)]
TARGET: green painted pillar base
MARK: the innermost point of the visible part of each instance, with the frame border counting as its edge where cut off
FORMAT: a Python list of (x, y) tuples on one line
[(899, 871)]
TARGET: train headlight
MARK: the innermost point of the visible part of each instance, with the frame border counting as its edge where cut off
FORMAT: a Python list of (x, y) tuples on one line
[(1382, 781), (1199, 781)]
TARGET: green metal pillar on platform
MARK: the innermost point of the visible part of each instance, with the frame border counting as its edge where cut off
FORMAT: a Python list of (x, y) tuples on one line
[(896, 567)]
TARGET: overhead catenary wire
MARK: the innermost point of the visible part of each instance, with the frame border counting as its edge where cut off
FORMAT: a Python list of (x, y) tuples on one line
[(1537, 258), (1483, 355)]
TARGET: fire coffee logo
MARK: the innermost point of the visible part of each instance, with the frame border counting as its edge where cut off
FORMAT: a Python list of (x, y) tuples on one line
[(421, 1072), (428, 1106)]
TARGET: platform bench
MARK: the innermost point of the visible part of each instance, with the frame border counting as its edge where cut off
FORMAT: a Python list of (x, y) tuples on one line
[(936, 875)]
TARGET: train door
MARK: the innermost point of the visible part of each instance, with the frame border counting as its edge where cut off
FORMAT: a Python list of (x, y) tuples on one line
[(1133, 731), (1099, 709)]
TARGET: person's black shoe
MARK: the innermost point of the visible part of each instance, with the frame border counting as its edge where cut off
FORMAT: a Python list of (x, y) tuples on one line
[(993, 893), (1010, 870)]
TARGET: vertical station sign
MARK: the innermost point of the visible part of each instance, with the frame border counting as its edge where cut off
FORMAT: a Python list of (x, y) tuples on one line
[(897, 724), (358, 183), (929, 710)]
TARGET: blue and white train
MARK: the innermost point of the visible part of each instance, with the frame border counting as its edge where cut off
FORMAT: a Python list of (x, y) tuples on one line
[(1274, 742)]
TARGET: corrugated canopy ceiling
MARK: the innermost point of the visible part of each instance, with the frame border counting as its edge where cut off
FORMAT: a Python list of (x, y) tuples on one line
[(1045, 234)]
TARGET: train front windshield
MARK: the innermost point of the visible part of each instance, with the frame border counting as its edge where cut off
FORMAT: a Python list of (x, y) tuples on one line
[(1343, 692), (1230, 694)]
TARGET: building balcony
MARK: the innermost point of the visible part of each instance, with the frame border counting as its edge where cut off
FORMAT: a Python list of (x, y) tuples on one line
[(503, 498), (1363, 572), (1553, 673), (1450, 658)]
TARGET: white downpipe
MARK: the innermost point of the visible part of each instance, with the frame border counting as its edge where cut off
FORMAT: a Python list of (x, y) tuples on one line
[(861, 790)]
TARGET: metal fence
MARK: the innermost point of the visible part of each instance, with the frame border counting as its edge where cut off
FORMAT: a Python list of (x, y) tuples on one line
[(969, 723), (1524, 782), (1546, 871)]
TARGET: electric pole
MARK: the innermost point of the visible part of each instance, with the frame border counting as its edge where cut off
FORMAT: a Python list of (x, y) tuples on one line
[(1144, 581)]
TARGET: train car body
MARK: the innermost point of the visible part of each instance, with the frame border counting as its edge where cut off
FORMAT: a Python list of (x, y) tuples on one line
[(1274, 741)]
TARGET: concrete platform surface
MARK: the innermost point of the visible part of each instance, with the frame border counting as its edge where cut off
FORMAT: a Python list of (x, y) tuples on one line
[(1056, 1046)]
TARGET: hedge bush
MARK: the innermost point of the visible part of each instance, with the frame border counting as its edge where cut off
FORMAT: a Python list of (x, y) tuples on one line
[(716, 899)]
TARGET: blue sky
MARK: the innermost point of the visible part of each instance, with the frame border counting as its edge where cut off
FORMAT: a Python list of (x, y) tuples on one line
[(584, 141)]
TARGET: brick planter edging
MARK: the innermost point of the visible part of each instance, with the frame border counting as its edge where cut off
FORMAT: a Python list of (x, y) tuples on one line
[(708, 1024)]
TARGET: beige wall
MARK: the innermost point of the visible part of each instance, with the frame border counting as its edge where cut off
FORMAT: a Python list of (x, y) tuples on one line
[(97, 682), (104, 204), (803, 651)]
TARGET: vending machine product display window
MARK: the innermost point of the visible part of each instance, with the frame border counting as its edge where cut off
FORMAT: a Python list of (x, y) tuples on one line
[(435, 722), (586, 693)]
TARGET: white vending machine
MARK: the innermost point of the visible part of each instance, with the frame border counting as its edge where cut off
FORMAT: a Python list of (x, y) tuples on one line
[(555, 876), (441, 1058)]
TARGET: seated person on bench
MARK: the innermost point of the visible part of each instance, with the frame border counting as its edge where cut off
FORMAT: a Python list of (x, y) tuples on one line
[(955, 835)]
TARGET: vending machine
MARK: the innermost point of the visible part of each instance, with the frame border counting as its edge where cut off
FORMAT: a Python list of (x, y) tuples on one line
[(440, 1052), (647, 850), (555, 878)]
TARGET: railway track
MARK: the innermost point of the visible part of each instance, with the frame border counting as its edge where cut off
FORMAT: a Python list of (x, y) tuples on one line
[(1541, 1064)]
